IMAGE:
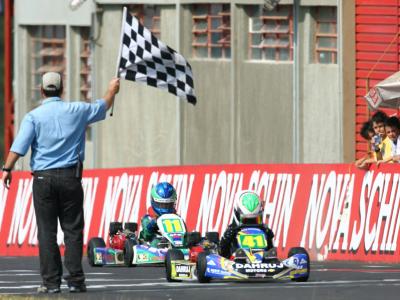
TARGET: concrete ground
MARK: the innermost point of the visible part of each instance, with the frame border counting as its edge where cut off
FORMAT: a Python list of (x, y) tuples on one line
[(19, 278)]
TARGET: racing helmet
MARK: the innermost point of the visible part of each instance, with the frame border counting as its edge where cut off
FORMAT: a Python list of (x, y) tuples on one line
[(163, 198), (248, 209)]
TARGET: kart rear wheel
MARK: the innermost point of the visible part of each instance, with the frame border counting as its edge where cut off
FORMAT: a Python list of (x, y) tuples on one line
[(300, 250), (201, 266), (172, 254), (131, 226), (115, 227), (129, 252), (193, 238), (94, 243), (213, 237)]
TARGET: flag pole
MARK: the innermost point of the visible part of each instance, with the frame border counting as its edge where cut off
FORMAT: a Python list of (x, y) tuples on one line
[(124, 12)]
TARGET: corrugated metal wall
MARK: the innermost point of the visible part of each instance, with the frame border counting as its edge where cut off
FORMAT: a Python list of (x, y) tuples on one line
[(377, 53)]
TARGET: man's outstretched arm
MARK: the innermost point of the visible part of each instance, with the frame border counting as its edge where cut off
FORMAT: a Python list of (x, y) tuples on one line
[(113, 89)]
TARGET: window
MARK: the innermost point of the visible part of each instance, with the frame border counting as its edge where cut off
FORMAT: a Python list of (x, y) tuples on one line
[(325, 35), (85, 65), (85, 79), (211, 31), (148, 15), (47, 55), (271, 33)]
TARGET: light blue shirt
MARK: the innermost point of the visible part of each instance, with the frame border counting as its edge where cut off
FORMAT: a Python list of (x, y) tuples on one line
[(56, 132)]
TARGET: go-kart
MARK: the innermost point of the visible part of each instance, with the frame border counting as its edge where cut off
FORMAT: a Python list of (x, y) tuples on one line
[(249, 261), (127, 250)]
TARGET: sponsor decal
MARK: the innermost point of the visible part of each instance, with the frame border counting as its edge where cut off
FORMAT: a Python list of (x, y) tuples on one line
[(258, 266), (183, 271), (211, 263), (99, 257), (182, 268), (258, 270), (217, 272), (142, 257)]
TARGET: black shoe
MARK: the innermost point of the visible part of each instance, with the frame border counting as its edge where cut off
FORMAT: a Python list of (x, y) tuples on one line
[(45, 290), (77, 289)]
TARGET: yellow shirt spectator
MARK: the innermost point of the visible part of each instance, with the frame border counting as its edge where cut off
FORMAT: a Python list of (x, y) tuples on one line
[(386, 148)]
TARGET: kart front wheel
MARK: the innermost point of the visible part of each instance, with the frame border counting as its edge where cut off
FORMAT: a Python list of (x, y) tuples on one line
[(129, 253), (300, 250), (201, 267), (94, 243), (172, 254)]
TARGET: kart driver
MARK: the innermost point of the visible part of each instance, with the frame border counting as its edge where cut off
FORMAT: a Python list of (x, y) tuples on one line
[(247, 212), (163, 199)]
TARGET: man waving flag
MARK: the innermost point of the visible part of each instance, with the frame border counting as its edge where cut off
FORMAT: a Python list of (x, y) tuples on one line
[(144, 58)]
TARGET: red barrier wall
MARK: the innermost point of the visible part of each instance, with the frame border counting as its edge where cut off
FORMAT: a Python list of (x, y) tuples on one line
[(335, 211)]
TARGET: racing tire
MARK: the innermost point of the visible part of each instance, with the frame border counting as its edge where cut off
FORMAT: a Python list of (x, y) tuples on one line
[(115, 227), (201, 266), (94, 243), (213, 237), (172, 254), (300, 250), (131, 226), (129, 252)]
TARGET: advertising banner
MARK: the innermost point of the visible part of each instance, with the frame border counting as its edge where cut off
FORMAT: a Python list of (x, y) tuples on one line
[(336, 212)]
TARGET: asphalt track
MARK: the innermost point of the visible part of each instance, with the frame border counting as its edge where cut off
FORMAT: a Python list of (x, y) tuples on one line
[(19, 278)]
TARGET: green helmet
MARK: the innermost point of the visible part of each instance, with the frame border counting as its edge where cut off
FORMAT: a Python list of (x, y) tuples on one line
[(248, 209)]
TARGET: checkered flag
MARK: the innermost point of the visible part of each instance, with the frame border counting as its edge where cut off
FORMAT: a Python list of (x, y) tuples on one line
[(144, 58)]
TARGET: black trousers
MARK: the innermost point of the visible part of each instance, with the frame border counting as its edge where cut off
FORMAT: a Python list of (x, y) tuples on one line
[(58, 195)]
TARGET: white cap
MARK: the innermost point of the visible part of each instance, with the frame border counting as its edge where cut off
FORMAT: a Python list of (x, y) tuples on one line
[(51, 81)]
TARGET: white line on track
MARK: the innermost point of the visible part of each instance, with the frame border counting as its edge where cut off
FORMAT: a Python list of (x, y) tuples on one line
[(18, 287), (164, 284), (172, 286), (20, 274), (88, 280), (252, 287), (124, 279), (376, 266), (16, 271)]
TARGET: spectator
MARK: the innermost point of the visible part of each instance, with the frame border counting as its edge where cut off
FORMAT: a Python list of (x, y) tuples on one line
[(367, 133), (392, 129), (378, 141)]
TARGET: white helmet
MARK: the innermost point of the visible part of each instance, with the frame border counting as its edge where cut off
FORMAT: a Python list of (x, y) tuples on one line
[(248, 209)]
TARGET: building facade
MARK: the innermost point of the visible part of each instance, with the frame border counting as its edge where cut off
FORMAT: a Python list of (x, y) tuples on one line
[(377, 54), (272, 86)]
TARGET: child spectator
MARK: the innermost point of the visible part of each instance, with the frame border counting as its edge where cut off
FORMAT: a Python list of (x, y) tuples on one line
[(379, 143), (392, 129), (367, 133), (380, 140)]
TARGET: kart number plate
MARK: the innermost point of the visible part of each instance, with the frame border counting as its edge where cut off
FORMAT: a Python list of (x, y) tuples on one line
[(252, 241)]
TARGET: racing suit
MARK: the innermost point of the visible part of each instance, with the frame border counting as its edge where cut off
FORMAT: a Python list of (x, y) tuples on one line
[(149, 228), (228, 243)]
